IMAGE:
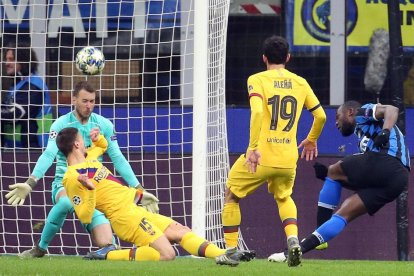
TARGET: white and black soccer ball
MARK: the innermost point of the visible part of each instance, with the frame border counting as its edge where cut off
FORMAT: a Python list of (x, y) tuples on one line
[(90, 61)]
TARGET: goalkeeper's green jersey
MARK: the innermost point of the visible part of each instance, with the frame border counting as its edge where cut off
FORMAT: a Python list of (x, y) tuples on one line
[(106, 127)]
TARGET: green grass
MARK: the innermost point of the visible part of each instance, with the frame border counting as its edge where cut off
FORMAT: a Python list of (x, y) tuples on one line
[(11, 265)]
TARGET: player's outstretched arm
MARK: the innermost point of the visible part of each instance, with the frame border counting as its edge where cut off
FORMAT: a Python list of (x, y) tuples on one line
[(48, 156), (19, 192)]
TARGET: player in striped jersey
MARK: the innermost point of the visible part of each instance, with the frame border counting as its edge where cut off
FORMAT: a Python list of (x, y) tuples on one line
[(378, 174), (82, 118), (277, 98)]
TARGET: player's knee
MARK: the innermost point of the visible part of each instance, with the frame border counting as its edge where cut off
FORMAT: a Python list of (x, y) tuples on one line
[(176, 231)]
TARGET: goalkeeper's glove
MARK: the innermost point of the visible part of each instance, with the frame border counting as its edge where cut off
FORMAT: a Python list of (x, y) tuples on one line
[(150, 202), (382, 138), (19, 191), (321, 171)]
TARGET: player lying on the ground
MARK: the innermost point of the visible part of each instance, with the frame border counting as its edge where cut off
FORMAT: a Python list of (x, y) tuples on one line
[(91, 185), (378, 175)]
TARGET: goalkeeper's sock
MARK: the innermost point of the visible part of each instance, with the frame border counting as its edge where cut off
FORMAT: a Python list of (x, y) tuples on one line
[(198, 246), (329, 198), (231, 222), (288, 215), (143, 253), (324, 233), (54, 221)]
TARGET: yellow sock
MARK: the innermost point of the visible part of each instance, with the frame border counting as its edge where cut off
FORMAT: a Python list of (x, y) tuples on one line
[(231, 218), (288, 215), (143, 253), (198, 246)]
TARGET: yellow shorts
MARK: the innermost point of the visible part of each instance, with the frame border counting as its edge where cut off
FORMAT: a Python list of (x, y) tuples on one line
[(138, 226), (242, 183)]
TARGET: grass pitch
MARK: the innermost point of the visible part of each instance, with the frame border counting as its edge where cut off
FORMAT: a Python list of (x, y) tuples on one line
[(12, 265)]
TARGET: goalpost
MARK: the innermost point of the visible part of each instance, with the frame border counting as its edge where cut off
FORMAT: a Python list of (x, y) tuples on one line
[(163, 87)]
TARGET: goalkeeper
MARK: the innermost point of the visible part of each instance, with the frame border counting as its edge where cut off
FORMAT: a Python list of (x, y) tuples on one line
[(83, 118), (91, 185)]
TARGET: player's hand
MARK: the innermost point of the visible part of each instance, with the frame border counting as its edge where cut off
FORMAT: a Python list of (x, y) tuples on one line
[(310, 149), (86, 182), (94, 134), (321, 171), (252, 160), (18, 193), (150, 202), (382, 138)]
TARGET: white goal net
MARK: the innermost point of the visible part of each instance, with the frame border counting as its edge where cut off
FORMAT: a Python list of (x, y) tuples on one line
[(163, 87)]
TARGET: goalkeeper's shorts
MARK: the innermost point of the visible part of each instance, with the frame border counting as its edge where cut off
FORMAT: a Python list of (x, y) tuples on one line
[(242, 183)]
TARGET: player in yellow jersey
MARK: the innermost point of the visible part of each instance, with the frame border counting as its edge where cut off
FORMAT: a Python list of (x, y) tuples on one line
[(91, 185), (277, 97)]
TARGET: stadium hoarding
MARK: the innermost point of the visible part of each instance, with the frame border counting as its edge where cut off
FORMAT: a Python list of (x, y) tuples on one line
[(83, 16), (308, 23), (172, 130)]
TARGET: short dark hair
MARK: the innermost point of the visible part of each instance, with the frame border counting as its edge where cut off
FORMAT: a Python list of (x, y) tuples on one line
[(276, 49), (351, 104), (66, 139), (83, 85), (25, 56)]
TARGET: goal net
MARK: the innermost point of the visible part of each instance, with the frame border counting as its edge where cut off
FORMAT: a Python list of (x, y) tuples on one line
[(162, 87)]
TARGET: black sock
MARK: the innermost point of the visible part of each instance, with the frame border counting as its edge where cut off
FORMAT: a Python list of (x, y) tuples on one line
[(309, 243), (323, 215)]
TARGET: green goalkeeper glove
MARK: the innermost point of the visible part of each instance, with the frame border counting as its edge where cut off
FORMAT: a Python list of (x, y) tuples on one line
[(19, 191), (150, 202)]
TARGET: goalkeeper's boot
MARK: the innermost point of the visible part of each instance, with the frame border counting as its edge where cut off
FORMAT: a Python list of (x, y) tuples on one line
[(294, 252), (233, 257), (101, 253), (35, 252)]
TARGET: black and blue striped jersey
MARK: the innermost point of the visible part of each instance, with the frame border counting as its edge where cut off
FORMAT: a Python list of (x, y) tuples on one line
[(368, 127)]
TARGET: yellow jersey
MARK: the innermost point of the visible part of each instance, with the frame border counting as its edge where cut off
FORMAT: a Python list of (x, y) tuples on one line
[(110, 194), (277, 98)]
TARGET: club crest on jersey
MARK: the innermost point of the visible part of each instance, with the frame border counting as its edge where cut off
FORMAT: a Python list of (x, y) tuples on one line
[(52, 135), (363, 144), (76, 200), (250, 88)]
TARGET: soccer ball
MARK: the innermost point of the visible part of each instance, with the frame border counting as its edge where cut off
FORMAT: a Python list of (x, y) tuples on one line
[(90, 61)]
